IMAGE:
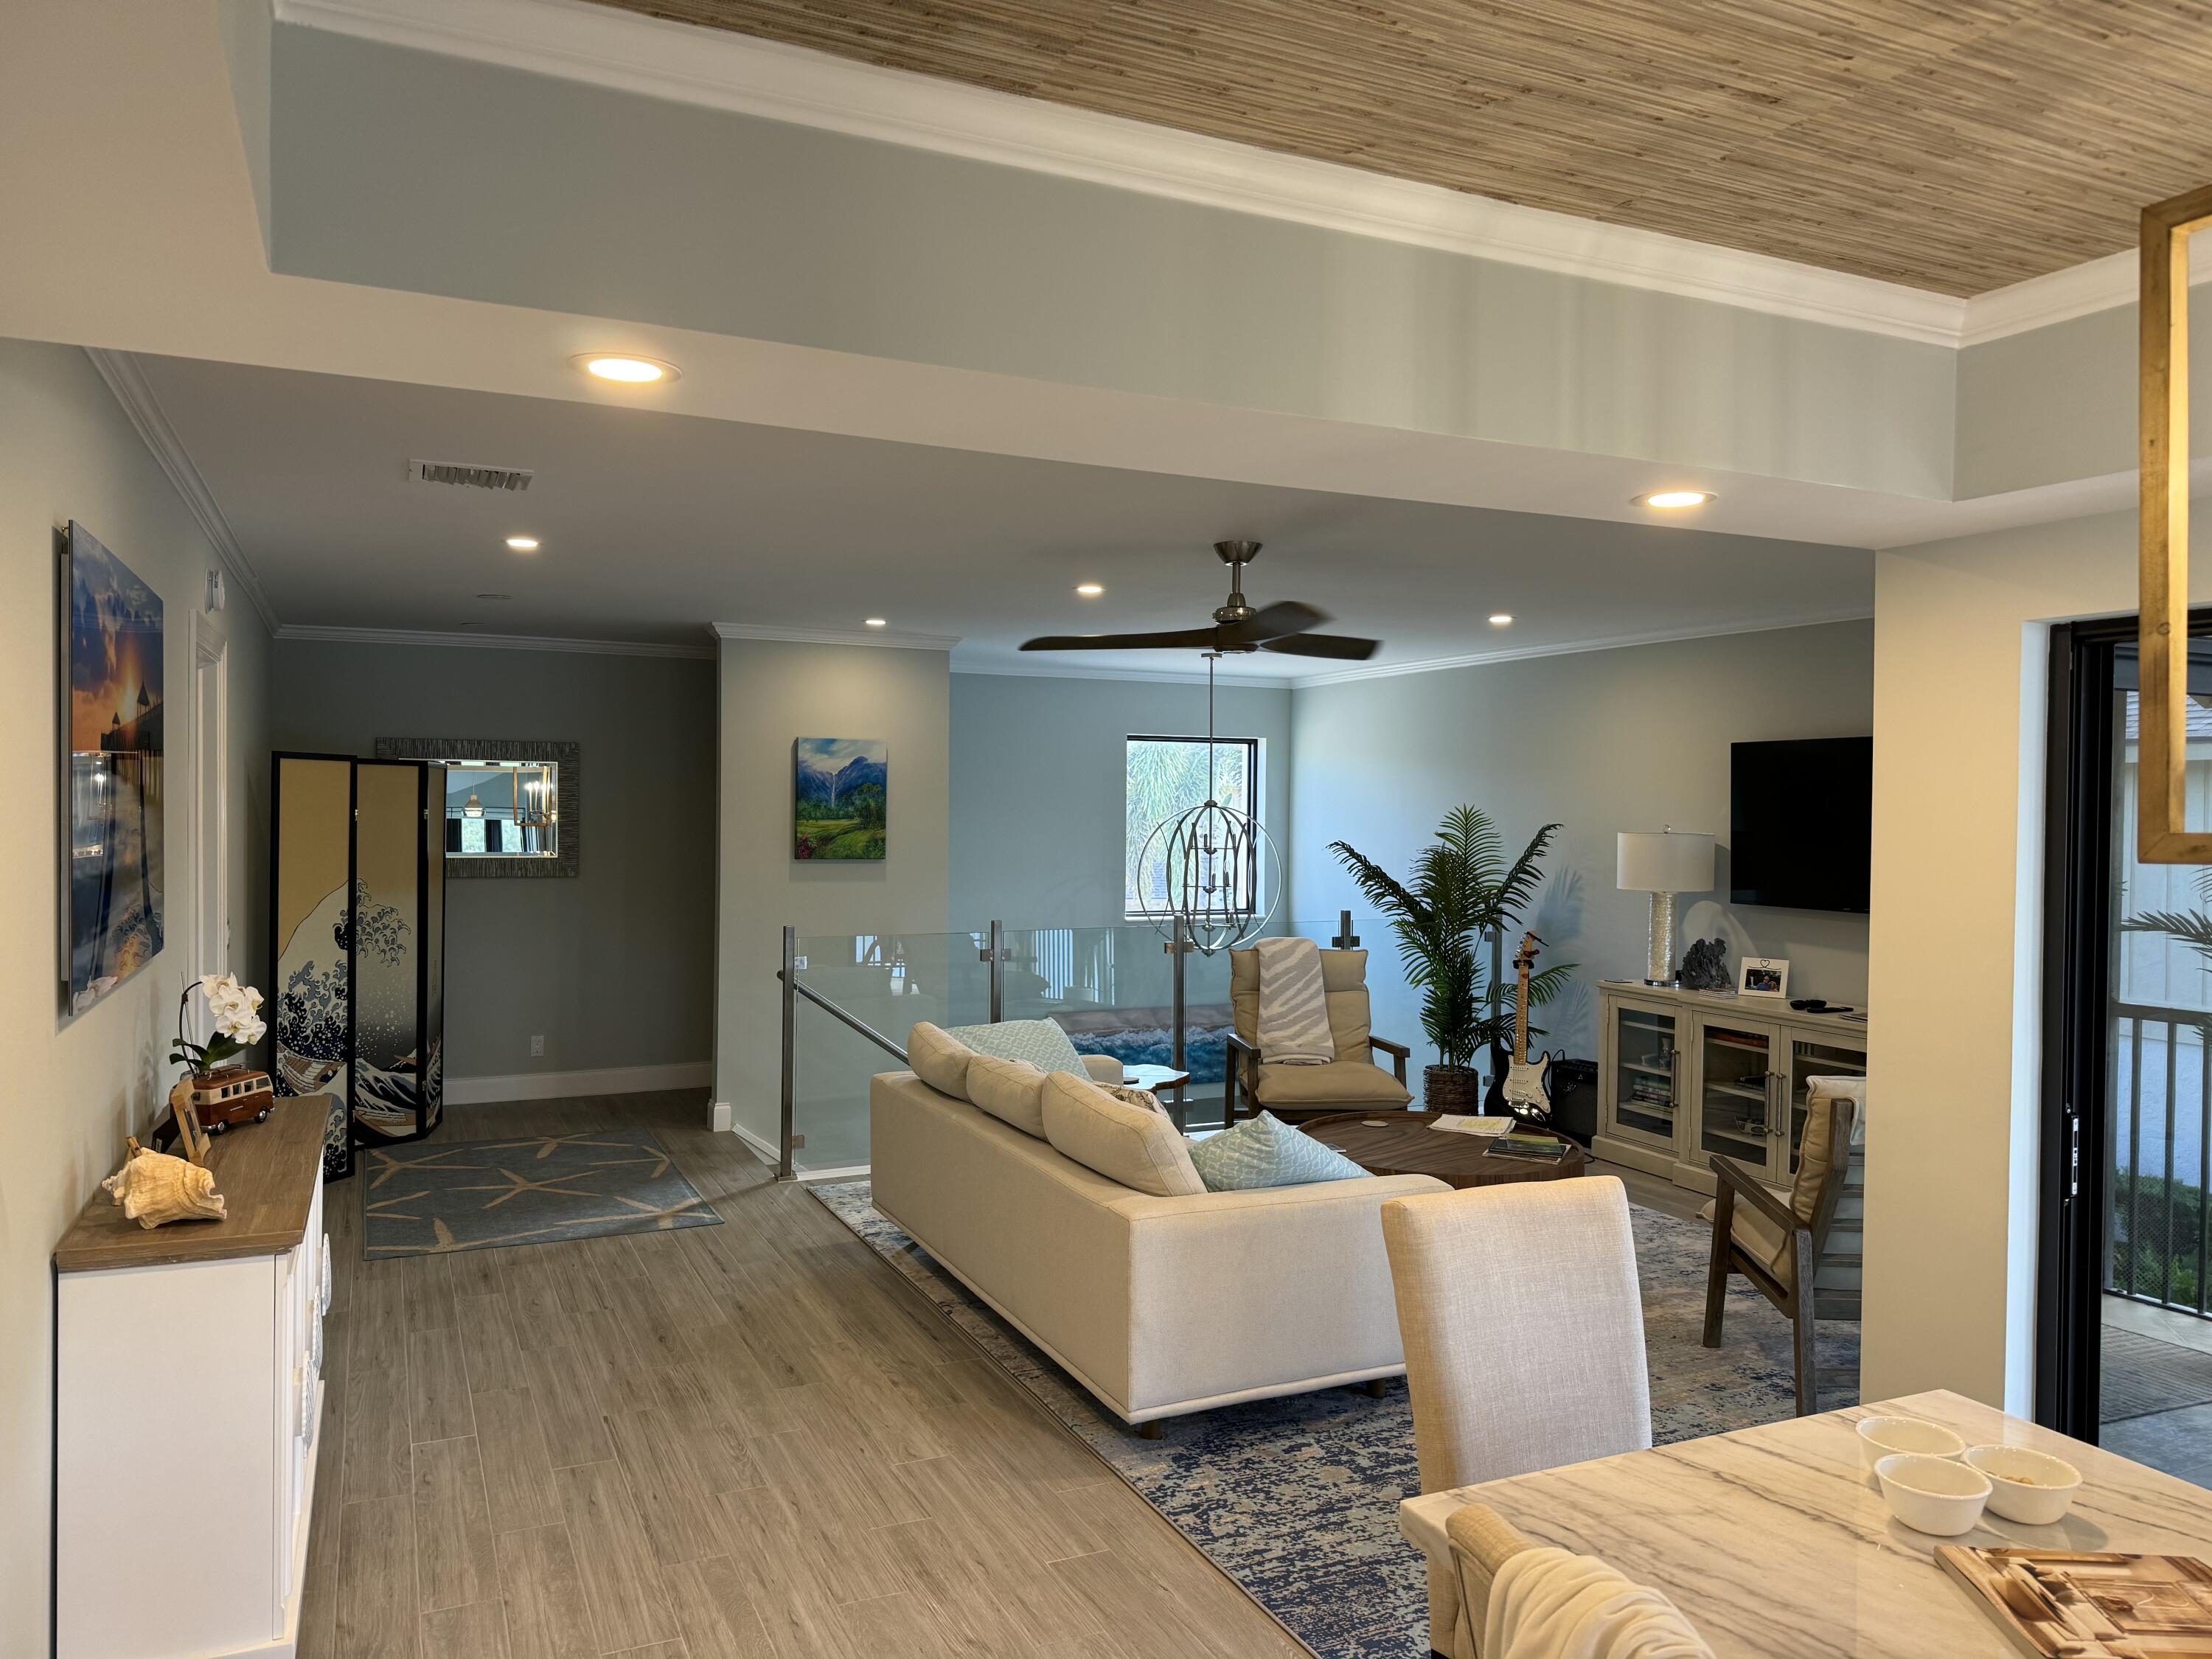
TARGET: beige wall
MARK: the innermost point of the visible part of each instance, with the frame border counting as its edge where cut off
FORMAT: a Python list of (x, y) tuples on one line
[(1961, 632), (772, 692), (75, 1087)]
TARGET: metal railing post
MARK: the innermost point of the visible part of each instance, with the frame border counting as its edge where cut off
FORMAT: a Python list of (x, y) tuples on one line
[(1346, 940), (1180, 947), (998, 971), (784, 1170)]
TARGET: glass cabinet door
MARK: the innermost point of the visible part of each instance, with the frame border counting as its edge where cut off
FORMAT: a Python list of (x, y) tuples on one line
[(1812, 1057), (1736, 1094), (1646, 1069)]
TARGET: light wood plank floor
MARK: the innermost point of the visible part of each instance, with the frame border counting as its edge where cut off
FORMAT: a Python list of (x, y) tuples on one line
[(753, 1441)]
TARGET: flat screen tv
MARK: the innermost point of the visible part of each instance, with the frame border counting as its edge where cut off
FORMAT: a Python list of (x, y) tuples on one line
[(1801, 821)]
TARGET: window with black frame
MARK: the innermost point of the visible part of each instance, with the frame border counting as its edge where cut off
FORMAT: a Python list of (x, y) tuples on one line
[(1167, 776)]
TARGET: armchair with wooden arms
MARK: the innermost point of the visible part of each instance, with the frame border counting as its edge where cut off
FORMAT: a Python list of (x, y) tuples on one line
[(1775, 1244), (1353, 1082)]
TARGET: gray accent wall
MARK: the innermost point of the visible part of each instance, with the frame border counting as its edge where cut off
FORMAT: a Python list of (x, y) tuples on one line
[(78, 1086), (1599, 741), (614, 967), (1039, 785)]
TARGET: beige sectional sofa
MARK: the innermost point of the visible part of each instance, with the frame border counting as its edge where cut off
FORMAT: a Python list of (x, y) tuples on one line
[(1159, 1306)]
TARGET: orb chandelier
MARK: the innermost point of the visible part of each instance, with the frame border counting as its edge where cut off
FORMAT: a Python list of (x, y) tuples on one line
[(1213, 859)]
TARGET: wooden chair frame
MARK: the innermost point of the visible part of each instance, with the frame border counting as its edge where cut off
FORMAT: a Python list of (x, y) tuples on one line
[(1240, 1100), (1806, 1244), (2162, 834)]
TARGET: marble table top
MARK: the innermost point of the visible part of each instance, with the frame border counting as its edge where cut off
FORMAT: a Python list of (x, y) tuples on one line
[(1776, 1544)]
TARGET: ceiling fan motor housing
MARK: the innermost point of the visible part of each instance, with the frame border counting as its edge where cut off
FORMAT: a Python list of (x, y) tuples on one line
[(1237, 556)]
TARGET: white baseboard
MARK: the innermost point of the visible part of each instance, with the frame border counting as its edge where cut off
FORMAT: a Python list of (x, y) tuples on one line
[(555, 1085), (770, 1153), (719, 1117)]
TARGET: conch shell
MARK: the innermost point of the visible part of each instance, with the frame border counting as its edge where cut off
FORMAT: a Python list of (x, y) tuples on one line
[(154, 1188)]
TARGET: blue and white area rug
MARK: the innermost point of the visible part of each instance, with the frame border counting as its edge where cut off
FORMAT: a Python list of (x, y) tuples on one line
[(429, 1197), (1296, 1498)]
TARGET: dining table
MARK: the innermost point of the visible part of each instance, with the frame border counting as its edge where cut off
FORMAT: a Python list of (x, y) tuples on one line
[(1776, 1542)]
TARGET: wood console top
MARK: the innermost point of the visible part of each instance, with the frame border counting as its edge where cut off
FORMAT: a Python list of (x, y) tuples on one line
[(267, 1174)]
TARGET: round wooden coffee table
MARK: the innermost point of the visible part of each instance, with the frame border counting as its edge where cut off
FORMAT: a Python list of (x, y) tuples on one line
[(1403, 1143)]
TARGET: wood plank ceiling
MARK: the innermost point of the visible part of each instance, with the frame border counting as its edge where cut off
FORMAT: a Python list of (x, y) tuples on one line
[(1952, 145)]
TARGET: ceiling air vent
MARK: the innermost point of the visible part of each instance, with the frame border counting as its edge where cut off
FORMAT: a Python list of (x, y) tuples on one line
[(476, 478)]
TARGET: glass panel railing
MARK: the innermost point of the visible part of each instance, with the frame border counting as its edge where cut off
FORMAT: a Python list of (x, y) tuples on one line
[(887, 981)]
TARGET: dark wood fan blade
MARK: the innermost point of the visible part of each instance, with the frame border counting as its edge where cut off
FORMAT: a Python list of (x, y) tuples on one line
[(1338, 646), (1198, 638), (1272, 622)]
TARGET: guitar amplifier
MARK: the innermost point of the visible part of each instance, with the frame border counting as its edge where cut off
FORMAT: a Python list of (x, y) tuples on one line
[(1574, 1099)]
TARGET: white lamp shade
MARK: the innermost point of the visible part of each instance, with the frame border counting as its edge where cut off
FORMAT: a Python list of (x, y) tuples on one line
[(1665, 861)]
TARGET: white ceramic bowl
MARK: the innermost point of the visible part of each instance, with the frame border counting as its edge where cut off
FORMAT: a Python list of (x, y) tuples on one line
[(1937, 1495), (2031, 1487), (1881, 1437)]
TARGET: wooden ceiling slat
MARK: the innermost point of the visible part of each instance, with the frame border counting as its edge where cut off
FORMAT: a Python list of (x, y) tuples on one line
[(1952, 145)]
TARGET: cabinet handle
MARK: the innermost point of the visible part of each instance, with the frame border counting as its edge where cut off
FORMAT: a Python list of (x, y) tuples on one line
[(1778, 1120)]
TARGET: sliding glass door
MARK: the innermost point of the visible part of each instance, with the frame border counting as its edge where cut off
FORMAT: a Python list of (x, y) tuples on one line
[(2126, 1315)]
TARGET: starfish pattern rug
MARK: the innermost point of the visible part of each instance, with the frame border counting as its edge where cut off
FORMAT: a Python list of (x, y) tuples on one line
[(429, 1197), (1296, 1498)]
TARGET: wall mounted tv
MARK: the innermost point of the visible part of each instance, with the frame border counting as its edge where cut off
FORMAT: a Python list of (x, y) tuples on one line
[(1800, 818)]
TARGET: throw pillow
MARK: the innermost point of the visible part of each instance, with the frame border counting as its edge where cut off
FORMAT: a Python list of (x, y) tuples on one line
[(1265, 1151), (938, 1058), (1040, 1041), (1124, 1143), (1012, 1090), (1143, 1099)]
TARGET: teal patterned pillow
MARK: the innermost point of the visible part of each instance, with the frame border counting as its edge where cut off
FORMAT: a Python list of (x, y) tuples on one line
[(1040, 1041), (1265, 1151)]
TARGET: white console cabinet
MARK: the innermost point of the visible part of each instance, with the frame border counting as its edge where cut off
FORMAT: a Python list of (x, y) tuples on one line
[(188, 1386), (1685, 1074)]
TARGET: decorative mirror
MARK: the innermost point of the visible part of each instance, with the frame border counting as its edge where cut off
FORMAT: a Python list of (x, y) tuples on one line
[(511, 805)]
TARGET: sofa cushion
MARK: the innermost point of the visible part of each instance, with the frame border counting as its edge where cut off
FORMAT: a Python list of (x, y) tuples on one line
[(1012, 1090), (1040, 1041), (1266, 1151), (938, 1058), (1355, 1083), (1140, 1149)]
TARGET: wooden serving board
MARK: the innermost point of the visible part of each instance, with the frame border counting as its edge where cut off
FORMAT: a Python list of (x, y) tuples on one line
[(2077, 1604)]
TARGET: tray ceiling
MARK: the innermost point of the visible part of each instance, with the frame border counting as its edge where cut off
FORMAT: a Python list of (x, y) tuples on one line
[(1952, 147)]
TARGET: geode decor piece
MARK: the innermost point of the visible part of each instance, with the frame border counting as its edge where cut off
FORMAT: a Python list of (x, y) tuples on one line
[(1705, 966)]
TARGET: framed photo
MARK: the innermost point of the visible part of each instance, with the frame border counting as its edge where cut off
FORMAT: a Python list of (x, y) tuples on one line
[(1763, 976), (193, 1143), (112, 772)]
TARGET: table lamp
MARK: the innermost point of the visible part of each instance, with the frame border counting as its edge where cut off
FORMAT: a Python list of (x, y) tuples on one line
[(1663, 865)]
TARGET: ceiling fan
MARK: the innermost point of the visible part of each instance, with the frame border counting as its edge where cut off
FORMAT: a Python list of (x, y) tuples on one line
[(1286, 626)]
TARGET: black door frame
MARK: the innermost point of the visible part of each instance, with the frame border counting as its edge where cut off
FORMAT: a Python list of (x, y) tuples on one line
[(2077, 955)]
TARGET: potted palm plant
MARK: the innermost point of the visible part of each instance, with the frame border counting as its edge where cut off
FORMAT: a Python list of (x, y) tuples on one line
[(1460, 888)]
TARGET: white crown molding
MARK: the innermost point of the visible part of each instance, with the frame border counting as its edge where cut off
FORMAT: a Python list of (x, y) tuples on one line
[(560, 1085), (2078, 290), (887, 638), (571, 40), (1576, 647), (492, 642), (135, 393), (1136, 676)]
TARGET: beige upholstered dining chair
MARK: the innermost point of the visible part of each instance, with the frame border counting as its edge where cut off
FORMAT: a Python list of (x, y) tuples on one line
[(1778, 1246), (1524, 1330), (1352, 1082)]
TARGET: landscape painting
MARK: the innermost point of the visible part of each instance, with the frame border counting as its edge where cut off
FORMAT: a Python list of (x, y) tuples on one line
[(115, 717), (837, 798)]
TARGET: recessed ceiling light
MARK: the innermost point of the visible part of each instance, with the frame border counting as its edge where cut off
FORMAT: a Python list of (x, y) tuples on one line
[(628, 371), (1090, 590), (523, 543), (878, 622), (1667, 499), (1500, 618)]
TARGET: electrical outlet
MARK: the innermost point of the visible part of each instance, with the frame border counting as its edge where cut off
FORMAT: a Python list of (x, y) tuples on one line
[(538, 1048)]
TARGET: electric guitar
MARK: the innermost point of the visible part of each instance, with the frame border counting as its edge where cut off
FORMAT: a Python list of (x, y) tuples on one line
[(1528, 1090)]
